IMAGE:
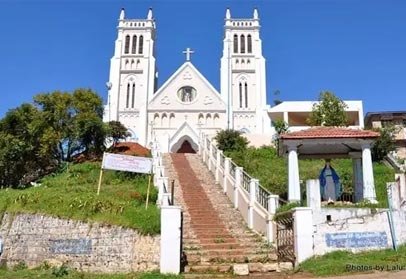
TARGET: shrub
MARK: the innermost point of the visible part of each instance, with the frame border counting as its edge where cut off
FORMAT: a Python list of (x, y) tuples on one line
[(231, 140)]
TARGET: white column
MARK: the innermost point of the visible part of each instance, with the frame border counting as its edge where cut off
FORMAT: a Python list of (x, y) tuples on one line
[(273, 204), (237, 185), (285, 117), (218, 165), (210, 155), (226, 173), (368, 174), (357, 179), (293, 169), (313, 194), (253, 188), (303, 233), (171, 224)]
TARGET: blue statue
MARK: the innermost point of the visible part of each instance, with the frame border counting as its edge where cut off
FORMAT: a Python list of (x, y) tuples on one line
[(330, 185)]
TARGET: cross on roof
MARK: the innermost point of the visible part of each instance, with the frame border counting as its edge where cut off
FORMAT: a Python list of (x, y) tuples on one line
[(188, 52)]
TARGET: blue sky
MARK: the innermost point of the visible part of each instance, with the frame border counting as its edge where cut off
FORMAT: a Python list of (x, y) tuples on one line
[(357, 49)]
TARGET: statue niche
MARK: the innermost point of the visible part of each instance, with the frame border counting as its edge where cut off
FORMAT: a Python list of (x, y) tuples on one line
[(186, 94)]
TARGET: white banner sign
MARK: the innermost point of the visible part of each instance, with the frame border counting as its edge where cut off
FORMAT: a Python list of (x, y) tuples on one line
[(126, 163)]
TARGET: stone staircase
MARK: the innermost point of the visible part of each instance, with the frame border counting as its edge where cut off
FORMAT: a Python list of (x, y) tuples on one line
[(215, 237)]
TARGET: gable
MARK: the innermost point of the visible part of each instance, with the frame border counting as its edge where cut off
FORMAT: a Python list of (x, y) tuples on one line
[(187, 89)]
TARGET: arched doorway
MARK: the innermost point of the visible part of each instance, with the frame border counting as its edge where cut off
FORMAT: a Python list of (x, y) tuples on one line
[(186, 147)]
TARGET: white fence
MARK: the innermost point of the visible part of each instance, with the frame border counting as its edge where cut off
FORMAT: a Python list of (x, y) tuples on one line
[(171, 217), (256, 204)]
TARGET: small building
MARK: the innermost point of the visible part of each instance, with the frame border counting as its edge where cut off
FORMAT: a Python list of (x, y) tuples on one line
[(296, 113), (386, 118)]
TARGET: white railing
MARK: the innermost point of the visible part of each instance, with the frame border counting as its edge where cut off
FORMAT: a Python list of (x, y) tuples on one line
[(256, 204), (171, 216)]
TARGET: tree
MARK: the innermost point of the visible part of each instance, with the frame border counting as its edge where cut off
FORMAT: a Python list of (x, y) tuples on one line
[(117, 131), (231, 140), (330, 111), (280, 126), (35, 139), (385, 143)]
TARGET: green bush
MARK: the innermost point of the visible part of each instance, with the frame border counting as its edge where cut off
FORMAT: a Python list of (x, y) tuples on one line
[(231, 140)]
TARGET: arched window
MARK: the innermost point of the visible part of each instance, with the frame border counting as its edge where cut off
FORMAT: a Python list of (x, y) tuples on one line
[(242, 43), (200, 119), (249, 44), (215, 120), (235, 43), (246, 95), (208, 119), (127, 44), (134, 47), (127, 103), (141, 44), (171, 119), (240, 87), (133, 96)]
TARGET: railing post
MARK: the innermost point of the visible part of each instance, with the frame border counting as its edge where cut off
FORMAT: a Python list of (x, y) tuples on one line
[(171, 224), (160, 184), (203, 146), (218, 165), (303, 233), (253, 189), (226, 173), (237, 185), (272, 206), (210, 156)]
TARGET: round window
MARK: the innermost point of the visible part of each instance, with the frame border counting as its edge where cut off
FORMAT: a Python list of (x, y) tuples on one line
[(186, 94)]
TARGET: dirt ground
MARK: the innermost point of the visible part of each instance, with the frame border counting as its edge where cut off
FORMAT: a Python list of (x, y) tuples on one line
[(375, 275)]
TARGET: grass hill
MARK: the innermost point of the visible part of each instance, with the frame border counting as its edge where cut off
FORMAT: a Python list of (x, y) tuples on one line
[(271, 170), (71, 193)]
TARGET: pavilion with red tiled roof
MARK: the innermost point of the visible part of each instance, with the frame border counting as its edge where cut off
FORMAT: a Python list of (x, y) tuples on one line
[(328, 143)]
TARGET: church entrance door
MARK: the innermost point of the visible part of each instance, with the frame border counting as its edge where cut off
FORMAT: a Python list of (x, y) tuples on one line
[(186, 147)]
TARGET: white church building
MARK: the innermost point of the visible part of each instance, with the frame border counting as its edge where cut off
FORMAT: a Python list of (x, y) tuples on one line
[(187, 104)]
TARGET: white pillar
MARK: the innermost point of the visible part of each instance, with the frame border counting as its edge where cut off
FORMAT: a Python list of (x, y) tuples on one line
[(273, 204), (313, 194), (303, 233), (218, 165), (171, 219), (368, 174), (226, 173), (392, 189), (253, 189), (210, 155), (237, 185), (293, 169), (285, 117), (357, 179)]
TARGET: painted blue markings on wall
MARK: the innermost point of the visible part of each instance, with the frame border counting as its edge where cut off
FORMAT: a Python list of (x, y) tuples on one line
[(71, 246), (357, 239)]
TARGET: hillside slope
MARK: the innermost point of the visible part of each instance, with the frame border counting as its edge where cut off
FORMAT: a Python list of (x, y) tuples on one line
[(71, 193)]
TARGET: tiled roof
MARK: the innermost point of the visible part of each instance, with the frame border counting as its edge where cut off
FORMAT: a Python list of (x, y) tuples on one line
[(330, 132), (131, 148)]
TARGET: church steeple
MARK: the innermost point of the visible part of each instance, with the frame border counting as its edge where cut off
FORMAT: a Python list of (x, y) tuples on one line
[(132, 74), (243, 84)]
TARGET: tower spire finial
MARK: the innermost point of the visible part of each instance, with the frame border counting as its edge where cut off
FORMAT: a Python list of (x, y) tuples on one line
[(255, 13), (228, 13), (149, 16), (122, 14)]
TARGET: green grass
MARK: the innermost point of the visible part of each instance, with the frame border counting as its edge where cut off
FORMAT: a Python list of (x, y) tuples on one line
[(45, 273), (271, 170), (342, 263), (71, 193)]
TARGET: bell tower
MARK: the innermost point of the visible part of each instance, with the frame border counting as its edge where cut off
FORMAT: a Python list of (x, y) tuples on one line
[(243, 76), (132, 75)]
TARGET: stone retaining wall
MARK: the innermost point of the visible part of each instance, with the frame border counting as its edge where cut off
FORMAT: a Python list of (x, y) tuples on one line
[(35, 239)]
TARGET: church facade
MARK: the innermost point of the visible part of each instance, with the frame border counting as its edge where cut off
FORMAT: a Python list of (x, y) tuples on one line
[(187, 104)]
